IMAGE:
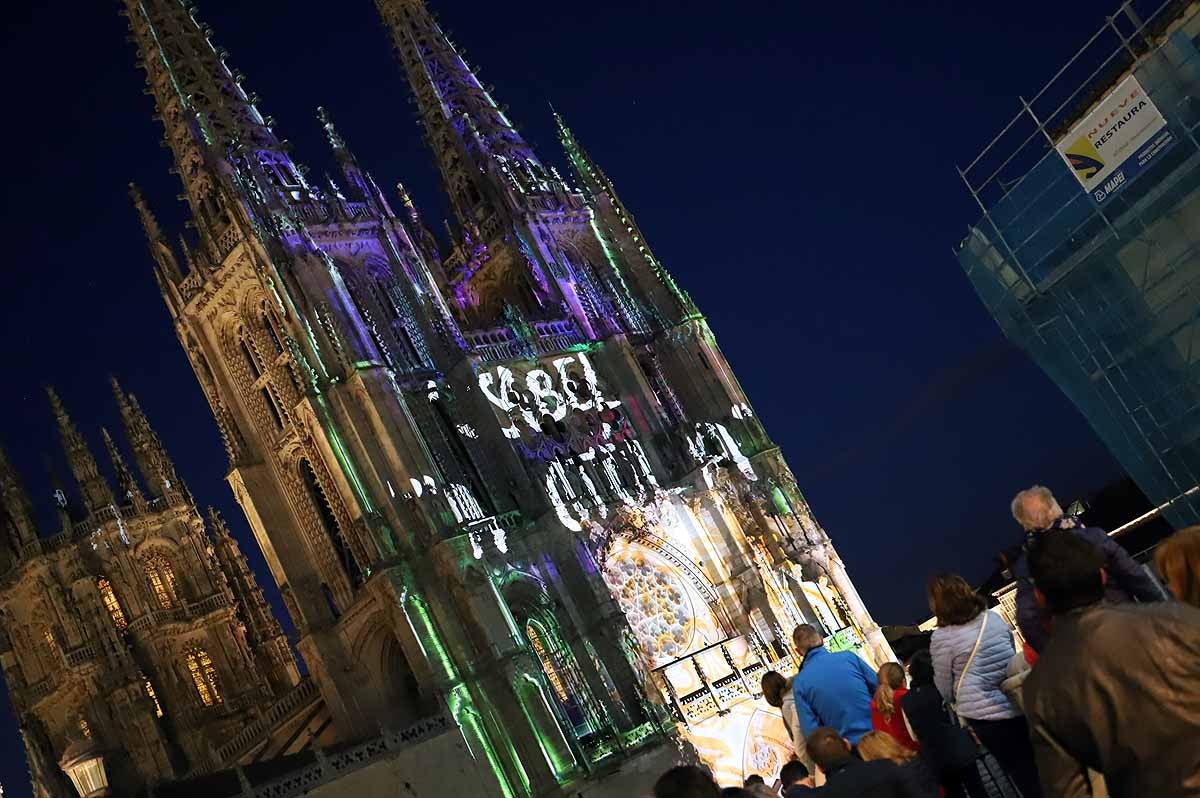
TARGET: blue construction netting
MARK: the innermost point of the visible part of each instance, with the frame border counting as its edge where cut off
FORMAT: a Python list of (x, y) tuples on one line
[(1106, 297)]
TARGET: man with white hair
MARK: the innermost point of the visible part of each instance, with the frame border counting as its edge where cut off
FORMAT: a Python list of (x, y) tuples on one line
[(1037, 511)]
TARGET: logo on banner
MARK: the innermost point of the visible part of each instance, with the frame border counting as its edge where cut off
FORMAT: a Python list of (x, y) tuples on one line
[(1122, 135)]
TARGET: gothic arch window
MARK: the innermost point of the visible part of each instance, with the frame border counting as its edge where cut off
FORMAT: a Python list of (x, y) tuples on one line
[(328, 521), (109, 597), (203, 675), (567, 685), (161, 577)]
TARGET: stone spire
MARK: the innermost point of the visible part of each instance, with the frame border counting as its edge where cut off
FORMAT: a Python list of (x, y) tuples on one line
[(355, 178), (214, 130), (15, 505), (263, 632), (158, 470), (159, 247), (485, 163), (621, 234), (127, 484), (92, 486)]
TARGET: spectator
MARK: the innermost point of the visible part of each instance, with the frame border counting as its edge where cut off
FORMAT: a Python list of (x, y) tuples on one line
[(1178, 560), (846, 775), (756, 787), (736, 792), (1037, 511), (885, 706), (1116, 688), (881, 745), (947, 748), (686, 781), (832, 688), (794, 775), (777, 692), (971, 650)]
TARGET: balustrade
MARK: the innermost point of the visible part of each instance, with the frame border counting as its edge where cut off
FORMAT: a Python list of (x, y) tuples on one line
[(712, 679)]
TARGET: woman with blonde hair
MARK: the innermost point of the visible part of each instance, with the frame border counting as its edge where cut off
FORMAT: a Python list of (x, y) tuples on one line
[(881, 745), (885, 706), (1178, 560)]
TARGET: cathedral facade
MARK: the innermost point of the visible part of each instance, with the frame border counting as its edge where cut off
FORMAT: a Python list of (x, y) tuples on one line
[(508, 476), (136, 625)]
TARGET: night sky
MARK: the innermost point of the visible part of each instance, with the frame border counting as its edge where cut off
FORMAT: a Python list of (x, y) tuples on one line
[(793, 164)]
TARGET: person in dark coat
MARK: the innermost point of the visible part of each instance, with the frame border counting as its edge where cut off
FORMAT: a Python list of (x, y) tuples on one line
[(686, 781), (947, 749), (847, 776), (1117, 688), (1037, 511)]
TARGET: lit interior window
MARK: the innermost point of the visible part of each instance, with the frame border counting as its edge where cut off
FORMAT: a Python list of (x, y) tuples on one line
[(539, 648), (84, 728), (204, 676), (111, 604), (162, 580), (158, 712)]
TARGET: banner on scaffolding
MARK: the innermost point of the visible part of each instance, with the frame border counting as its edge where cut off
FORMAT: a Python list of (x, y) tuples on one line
[(1122, 135)]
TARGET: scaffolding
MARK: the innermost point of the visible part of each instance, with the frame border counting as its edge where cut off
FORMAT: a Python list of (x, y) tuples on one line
[(1105, 295)]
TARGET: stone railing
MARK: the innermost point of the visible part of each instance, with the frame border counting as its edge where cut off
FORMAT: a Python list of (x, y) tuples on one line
[(509, 520), (501, 343), (495, 344), (80, 655), (707, 682), (43, 688), (184, 612), (555, 336), (331, 766), (226, 241), (247, 738)]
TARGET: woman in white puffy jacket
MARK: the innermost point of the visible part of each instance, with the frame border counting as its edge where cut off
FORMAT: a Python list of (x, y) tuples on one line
[(971, 650)]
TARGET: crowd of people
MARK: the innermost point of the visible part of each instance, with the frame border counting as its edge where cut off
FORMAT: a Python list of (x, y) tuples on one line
[(1102, 697)]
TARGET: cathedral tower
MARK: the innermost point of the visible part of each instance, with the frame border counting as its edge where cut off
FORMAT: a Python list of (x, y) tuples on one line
[(121, 627), (519, 482)]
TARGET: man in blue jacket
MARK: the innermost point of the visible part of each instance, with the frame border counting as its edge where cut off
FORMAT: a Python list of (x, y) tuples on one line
[(1037, 511), (833, 688)]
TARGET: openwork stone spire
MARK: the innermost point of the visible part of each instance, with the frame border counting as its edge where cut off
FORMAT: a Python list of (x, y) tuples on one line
[(616, 224), (15, 504), (481, 155), (126, 482), (95, 489), (158, 470)]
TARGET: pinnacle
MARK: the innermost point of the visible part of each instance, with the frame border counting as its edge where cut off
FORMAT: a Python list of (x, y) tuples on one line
[(335, 139), (60, 411)]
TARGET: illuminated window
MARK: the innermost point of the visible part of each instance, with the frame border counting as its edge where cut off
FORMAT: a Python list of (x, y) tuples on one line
[(111, 604), (551, 670), (162, 580), (84, 728), (51, 646), (204, 676), (158, 713)]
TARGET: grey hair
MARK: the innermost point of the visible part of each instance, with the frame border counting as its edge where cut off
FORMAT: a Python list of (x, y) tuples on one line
[(1036, 508)]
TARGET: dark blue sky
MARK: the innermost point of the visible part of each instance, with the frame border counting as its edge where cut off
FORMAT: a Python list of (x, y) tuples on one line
[(792, 163)]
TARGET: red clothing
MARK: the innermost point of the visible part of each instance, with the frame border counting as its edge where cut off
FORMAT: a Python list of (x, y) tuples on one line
[(895, 726)]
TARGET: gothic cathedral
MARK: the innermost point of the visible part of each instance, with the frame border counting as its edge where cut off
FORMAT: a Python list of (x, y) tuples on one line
[(507, 476)]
